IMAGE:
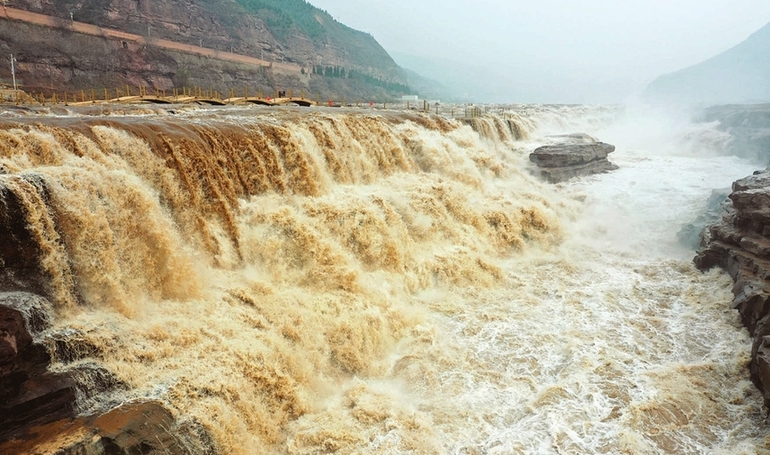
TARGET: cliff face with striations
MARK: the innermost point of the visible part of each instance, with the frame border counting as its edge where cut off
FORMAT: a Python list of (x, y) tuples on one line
[(56, 57), (740, 243)]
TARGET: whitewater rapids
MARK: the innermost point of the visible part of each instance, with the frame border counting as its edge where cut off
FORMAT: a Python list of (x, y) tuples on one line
[(364, 282)]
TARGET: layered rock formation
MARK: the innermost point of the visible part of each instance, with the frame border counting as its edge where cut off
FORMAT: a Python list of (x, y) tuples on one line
[(560, 162), (55, 59), (740, 243), (225, 25), (53, 396), (56, 56)]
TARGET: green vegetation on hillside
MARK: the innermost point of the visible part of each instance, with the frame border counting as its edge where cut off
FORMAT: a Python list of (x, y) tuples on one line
[(342, 73), (237, 26), (285, 17), (281, 15)]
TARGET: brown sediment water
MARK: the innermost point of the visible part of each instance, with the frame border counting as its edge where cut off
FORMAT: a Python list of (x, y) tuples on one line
[(370, 282)]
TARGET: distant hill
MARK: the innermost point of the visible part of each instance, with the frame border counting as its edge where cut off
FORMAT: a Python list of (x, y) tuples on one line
[(457, 81), (428, 88), (738, 75)]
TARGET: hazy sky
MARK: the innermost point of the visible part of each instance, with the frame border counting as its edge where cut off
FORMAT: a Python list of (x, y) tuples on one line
[(558, 50)]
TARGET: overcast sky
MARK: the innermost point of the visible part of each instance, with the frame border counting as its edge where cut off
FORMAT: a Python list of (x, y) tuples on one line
[(559, 50)]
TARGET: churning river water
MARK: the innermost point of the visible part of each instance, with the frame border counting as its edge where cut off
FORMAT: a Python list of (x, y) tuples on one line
[(344, 282)]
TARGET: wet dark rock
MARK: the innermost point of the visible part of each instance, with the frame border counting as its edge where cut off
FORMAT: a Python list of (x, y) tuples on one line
[(20, 253), (129, 429), (739, 242), (72, 410), (691, 234), (29, 393), (560, 162)]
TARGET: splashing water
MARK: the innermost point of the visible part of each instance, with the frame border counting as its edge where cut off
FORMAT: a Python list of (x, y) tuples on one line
[(391, 283)]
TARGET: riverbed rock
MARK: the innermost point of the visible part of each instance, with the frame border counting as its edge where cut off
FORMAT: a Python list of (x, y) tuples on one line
[(40, 409), (740, 243), (29, 394), (128, 429), (561, 162)]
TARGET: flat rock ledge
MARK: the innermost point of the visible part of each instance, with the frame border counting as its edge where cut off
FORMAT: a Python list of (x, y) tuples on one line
[(740, 243), (560, 162)]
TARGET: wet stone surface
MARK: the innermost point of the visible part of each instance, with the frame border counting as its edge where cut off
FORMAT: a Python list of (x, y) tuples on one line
[(560, 162)]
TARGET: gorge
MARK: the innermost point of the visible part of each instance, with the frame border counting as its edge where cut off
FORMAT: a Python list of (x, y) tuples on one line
[(277, 280)]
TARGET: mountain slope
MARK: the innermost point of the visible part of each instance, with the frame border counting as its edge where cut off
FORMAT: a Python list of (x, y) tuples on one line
[(286, 31), (284, 18), (738, 75)]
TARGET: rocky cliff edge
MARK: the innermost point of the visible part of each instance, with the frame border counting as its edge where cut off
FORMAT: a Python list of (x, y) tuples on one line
[(740, 243)]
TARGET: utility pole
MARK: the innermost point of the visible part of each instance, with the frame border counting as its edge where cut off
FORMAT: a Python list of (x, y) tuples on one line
[(13, 72)]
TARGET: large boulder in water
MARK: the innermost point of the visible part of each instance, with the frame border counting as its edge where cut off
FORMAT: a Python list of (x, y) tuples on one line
[(560, 162)]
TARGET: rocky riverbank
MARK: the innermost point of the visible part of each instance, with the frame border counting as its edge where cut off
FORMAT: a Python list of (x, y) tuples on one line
[(740, 243)]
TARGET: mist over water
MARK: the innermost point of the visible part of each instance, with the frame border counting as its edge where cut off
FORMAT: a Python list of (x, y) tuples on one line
[(612, 342), (394, 283)]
